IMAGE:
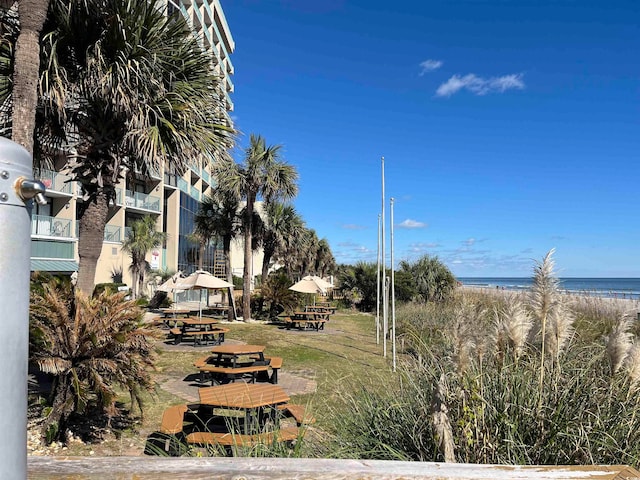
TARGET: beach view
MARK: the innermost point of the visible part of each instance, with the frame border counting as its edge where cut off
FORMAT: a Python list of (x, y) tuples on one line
[(332, 232)]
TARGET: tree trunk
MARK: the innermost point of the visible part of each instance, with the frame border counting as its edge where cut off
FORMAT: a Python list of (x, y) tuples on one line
[(226, 247), (141, 277), (201, 256), (92, 219), (26, 70), (265, 266), (62, 405), (248, 259)]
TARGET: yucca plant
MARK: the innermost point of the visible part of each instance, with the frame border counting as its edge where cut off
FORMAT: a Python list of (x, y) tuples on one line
[(90, 346)]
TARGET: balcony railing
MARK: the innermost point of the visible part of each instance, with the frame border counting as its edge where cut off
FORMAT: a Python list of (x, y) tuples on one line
[(47, 226), (195, 193), (143, 201), (183, 185), (206, 176), (55, 181), (52, 249), (112, 233)]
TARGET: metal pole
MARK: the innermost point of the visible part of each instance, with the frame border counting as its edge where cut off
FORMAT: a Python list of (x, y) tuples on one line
[(378, 288), (384, 275), (393, 291), (15, 225)]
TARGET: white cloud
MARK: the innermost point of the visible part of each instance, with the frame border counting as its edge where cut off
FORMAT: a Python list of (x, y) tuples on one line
[(469, 242), (353, 226), (408, 223), (429, 66), (479, 85)]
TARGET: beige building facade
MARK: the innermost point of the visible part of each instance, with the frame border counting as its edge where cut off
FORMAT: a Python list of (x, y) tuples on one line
[(171, 199)]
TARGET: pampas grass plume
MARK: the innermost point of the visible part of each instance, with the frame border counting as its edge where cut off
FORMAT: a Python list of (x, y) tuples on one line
[(619, 343)]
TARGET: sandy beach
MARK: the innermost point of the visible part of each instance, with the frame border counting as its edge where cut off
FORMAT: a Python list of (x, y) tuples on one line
[(623, 305)]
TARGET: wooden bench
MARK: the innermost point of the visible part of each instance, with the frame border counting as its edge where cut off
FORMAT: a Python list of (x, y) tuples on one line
[(287, 434), (173, 419), (200, 336), (232, 374), (298, 412), (317, 324), (275, 363)]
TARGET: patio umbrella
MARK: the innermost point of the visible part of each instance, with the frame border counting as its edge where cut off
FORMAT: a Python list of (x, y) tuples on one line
[(170, 285), (202, 280), (311, 284)]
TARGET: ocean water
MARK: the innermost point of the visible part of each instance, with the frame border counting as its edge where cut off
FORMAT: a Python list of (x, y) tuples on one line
[(597, 287)]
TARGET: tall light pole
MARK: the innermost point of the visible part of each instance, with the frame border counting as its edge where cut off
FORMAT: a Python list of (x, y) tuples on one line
[(393, 291), (378, 288), (384, 276)]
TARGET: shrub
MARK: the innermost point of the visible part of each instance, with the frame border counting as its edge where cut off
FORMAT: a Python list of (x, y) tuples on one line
[(90, 345), (433, 281)]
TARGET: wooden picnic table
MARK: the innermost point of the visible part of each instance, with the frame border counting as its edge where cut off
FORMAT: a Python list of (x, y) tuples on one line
[(201, 329), (219, 310), (174, 312), (243, 395), (229, 363), (233, 353), (257, 401), (303, 320), (320, 309)]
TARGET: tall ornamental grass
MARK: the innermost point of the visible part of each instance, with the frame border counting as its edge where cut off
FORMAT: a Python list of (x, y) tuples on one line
[(509, 379)]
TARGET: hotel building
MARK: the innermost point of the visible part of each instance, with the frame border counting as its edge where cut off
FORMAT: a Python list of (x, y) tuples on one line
[(172, 199)]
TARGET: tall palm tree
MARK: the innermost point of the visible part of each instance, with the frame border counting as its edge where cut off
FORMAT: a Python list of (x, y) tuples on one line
[(130, 88), (281, 225), (264, 174), (141, 240), (26, 69), (325, 261), (218, 216)]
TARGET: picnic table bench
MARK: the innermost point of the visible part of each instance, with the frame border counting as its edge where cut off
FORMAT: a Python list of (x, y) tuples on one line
[(306, 320), (287, 434), (213, 336), (227, 372)]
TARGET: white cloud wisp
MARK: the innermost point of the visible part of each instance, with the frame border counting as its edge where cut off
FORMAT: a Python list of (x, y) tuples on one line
[(429, 66), (408, 223), (480, 86)]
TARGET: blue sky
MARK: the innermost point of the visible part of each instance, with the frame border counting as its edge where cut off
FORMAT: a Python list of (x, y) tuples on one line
[(508, 127)]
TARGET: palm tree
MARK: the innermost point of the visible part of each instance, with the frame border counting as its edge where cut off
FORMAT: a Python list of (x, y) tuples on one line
[(90, 346), (218, 216), (130, 89), (325, 261), (26, 69), (282, 224), (141, 240), (262, 173)]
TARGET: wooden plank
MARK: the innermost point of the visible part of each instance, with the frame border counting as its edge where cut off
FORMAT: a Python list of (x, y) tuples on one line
[(98, 468)]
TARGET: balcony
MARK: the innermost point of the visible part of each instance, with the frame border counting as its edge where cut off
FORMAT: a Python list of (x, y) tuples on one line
[(183, 185), (194, 192), (206, 177), (112, 233), (142, 201), (58, 184), (46, 226), (51, 249), (195, 169)]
